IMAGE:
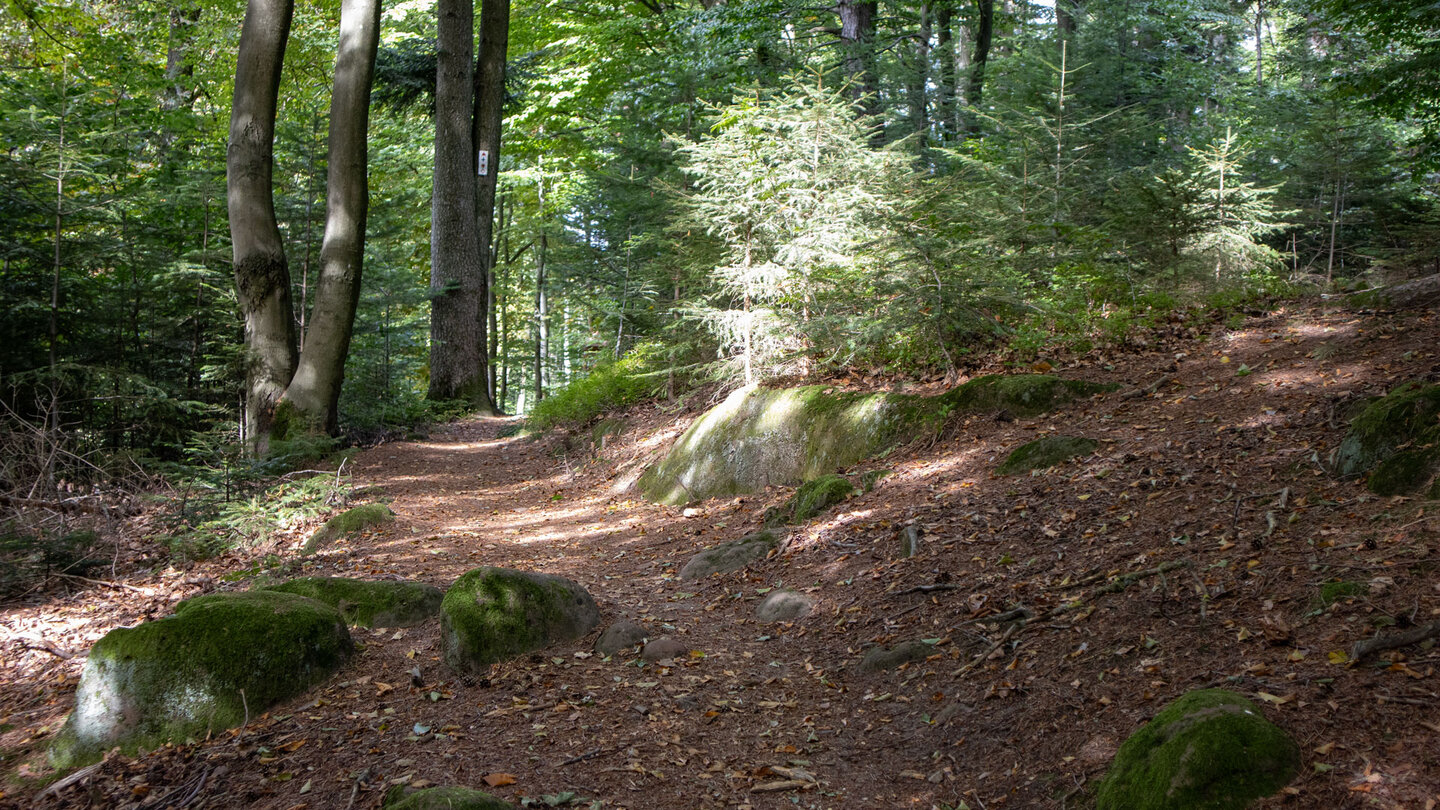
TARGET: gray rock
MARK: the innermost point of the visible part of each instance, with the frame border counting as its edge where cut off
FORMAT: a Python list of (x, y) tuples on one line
[(731, 556), (910, 539), (784, 606), (621, 635), (494, 614), (664, 648), (762, 437), (185, 675), (880, 658)]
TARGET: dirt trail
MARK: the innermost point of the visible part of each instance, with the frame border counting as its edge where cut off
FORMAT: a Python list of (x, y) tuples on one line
[(1219, 470)]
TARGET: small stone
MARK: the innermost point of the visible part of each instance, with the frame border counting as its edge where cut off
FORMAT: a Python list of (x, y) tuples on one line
[(730, 556), (784, 606), (620, 636), (880, 658), (662, 649), (909, 541)]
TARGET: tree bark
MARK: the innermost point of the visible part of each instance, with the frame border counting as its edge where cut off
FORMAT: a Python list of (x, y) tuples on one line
[(857, 38), (315, 389), (920, 79), (984, 34), (455, 369), (489, 113), (262, 278)]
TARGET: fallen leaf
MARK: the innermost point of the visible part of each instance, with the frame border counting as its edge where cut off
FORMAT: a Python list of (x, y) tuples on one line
[(499, 779)]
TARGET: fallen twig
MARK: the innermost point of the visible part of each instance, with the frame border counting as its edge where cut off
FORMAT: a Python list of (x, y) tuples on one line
[(582, 757), (1370, 646), (1149, 389), (974, 662), (60, 784), (41, 645), (928, 588)]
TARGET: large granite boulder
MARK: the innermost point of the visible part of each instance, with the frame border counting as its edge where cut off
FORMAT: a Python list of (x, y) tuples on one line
[(762, 437), (219, 659)]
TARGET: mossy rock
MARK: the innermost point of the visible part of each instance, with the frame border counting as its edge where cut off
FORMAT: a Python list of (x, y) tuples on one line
[(370, 604), (442, 798), (604, 431), (220, 658), (1332, 592), (347, 523), (494, 614), (1209, 750), (1020, 394), (1045, 453), (1396, 439), (882, 658), (731, 556), (812, 498), (761, 437)]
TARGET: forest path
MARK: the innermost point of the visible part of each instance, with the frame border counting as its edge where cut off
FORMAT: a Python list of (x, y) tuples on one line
[(1219, 470)]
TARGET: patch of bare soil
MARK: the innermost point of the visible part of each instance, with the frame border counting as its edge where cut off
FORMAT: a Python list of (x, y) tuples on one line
[(1189, 551)]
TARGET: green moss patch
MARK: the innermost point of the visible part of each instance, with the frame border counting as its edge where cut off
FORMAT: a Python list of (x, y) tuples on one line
[(347, 523), (494, 614), (370, 604), (1332, 592), (1044, 453), (1209, 750), (762, 437), (442, 798), (220, 658), (812, 498), (1397, 440), (1020, 394), (732, 556)]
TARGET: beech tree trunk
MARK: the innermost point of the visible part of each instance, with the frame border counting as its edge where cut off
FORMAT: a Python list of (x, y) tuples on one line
[(315, 389), (262, 279), (489, 112), (455, 280)]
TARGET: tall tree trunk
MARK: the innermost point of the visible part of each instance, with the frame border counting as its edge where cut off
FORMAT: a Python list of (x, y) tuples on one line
[(984, 34), (262, 279), (315, 390), (455, 370), (948, 75), (489, 112), (920, 79), (857, 38), (1065, 25)]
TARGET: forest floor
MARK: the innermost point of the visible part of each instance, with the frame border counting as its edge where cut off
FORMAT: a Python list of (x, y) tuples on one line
[(1220, 471)]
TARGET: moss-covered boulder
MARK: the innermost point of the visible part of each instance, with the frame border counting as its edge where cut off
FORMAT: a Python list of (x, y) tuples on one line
[(494, 614), (1209, 750), (1397, 440), (370, 604), (812, 498), (442, 798), (762, 437), (879, 659), (1044, 453), (731, 556), (220, 658), (347, 523)]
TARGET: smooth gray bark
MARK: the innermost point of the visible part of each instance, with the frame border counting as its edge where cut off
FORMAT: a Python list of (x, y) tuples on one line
[(315, 390), (262, 278)]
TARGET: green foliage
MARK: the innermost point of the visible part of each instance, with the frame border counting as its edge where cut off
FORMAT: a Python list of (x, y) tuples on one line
[(1332, 592), (26, 560), (209, 522), (643, 372)]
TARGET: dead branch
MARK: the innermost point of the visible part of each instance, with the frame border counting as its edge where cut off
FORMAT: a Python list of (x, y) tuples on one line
[(1370, 646), (1149, 389), (90, 504), (60, 784)]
